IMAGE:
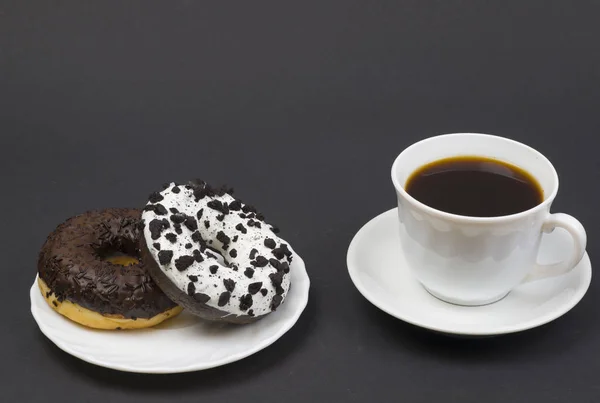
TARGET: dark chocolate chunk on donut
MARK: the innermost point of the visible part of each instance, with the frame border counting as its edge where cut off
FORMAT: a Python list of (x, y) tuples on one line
[(165, 256), (183, 262), (156, 227), (270, 243), (191, 289), (224, 298), (229, 284), (177, 218), (254, 287), (245, 302), (155, 197), (191, 223)]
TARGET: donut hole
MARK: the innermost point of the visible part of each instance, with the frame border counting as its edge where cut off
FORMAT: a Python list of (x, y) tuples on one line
[(122, 260), (117, 242), (120, 252), (219, 256)]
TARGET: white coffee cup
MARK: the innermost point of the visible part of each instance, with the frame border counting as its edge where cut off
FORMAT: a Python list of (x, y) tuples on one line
[(479, 260)]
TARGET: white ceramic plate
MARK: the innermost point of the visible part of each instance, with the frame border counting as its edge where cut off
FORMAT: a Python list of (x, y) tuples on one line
[(379, 271), (182, 344)]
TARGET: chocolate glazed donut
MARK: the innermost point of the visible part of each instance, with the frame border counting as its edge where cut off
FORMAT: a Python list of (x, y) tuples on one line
[(78, 279)]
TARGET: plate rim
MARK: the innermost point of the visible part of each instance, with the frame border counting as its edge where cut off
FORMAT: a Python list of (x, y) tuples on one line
[(586, 278), (291, 321)]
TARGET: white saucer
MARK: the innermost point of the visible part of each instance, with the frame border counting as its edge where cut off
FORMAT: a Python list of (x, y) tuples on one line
[(378, 269), (182, 344)]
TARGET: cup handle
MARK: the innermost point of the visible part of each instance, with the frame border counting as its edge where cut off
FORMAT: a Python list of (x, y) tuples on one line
[(574, 227)]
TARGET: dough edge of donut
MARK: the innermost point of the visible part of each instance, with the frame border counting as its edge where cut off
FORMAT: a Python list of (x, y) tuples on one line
[(95, 320)]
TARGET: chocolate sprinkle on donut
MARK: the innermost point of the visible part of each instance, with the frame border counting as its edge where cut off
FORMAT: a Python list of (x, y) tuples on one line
[(175, 189), (171, 237), (174, 210), (214, 268), (156, 245), (188, 246), (233, 253), (249, 272), (264, 292), (193, 278)]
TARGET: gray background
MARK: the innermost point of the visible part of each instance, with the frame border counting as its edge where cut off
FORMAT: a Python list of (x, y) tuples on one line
[(302, 107)]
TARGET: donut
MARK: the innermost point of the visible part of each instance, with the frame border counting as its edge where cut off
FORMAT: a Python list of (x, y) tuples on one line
[(89, 271), (213, 254)]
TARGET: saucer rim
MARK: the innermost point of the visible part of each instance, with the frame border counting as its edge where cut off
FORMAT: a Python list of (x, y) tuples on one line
[(585, 281)]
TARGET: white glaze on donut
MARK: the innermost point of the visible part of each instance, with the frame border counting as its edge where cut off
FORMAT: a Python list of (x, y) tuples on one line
[(205, 277)]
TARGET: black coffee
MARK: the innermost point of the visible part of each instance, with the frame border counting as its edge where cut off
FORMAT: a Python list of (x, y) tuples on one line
[(475, 186)]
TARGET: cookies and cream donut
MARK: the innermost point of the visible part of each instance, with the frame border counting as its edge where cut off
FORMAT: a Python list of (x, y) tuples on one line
[(89, 272), (213, 254)]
